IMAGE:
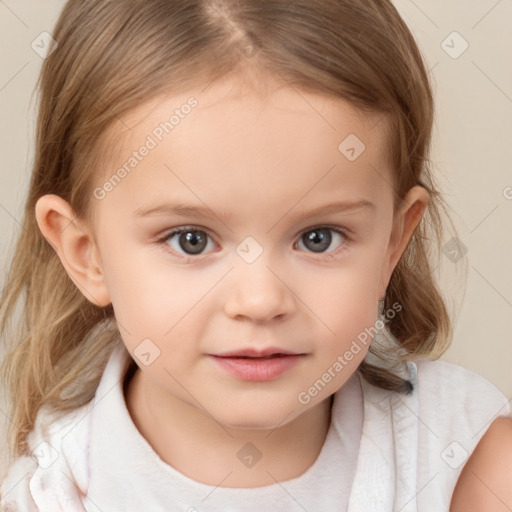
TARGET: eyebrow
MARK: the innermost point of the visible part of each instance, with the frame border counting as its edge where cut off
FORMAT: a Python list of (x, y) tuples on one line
[(201, 212)]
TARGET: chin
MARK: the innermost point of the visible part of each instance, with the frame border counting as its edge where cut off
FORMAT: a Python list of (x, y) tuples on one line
[(245, 424), (257, 418)]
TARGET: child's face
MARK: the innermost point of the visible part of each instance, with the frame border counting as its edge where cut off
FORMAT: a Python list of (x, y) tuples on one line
[(258, 167)]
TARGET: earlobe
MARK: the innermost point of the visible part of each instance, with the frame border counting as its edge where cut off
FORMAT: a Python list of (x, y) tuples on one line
[(74, 245)]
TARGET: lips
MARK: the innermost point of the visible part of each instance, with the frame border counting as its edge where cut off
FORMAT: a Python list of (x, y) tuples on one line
[(251, 352), (257, 365)]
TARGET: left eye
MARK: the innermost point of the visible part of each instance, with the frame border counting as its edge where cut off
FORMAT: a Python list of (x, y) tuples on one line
[(320, 238)]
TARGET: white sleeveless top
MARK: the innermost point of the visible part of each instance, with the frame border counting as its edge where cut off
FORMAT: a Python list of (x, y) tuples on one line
[(383, 452)]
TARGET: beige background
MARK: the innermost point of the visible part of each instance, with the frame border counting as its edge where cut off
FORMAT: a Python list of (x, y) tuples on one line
[(472, 150)]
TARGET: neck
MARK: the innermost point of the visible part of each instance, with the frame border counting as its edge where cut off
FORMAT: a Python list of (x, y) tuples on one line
[(193, 443)]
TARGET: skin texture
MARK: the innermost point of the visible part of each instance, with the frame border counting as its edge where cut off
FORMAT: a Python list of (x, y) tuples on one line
[(484, 483), (268, 157)]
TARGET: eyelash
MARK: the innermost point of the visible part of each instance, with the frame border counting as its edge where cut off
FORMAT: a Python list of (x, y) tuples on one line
[(162, 241)]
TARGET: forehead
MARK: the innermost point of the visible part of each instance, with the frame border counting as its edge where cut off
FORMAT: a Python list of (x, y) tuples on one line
[(230, 141)]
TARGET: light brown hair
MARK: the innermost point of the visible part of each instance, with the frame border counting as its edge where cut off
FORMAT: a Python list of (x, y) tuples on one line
[(113, 56)]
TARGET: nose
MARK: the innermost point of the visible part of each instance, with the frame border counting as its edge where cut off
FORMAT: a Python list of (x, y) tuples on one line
[(258, 292)]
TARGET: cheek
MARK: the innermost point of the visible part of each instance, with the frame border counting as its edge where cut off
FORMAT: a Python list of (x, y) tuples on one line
[(347, 305), (348, 294), (154, 301), (139, 292)]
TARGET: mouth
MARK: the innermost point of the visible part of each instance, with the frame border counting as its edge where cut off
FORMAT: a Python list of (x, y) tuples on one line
[(261, 367), (257, 354), (271, 356)]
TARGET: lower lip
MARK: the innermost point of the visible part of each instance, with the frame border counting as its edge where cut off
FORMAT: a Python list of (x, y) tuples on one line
[(257, 369)]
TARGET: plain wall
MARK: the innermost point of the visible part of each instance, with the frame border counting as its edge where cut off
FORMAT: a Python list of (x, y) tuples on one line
[(472, 150)]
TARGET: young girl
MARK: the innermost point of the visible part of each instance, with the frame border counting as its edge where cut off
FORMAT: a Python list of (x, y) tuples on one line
[(226, 271)]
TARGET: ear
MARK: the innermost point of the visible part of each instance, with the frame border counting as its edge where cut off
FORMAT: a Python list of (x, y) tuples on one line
[(405, 222), (74, 245)]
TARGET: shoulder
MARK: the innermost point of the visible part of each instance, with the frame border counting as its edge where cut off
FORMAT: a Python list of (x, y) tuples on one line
[(433, 369), (476, 413), (55, 467), (450, 385), (484, 483), (458, 401)]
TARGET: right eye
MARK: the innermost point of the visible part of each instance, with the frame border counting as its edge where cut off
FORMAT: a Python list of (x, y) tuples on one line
[(192, 241)]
